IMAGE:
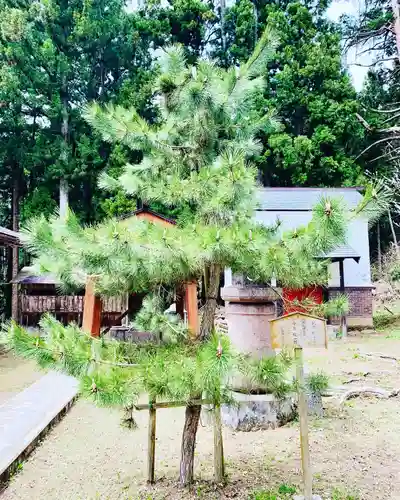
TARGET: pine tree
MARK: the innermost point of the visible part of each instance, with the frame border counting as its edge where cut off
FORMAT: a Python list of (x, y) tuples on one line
[(197, 159)]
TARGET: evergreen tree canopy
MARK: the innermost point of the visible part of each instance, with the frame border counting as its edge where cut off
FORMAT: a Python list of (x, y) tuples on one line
[(197, 158)]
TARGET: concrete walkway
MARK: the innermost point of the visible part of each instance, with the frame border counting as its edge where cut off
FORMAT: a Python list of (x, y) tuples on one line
[(28, 414)]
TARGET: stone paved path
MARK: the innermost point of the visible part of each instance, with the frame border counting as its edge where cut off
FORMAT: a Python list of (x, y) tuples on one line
[(26, 415)]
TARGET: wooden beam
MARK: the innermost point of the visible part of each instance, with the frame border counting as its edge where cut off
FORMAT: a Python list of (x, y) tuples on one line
[(173, 404), (92, 307), (192, 308), (341, 274), (343, 319)]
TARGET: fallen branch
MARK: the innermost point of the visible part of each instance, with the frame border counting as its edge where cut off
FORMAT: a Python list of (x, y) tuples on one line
[(389, 310), (378, 355), (369, 391), (363, 374), (352, 380)]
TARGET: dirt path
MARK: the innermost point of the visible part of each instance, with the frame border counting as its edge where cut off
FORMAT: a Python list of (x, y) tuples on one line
[(15, 375), (354, 449)]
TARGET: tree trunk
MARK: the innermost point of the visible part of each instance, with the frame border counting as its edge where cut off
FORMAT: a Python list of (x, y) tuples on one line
[(192, 417), (212, 287), (63, 198), (15, 250), (396, 24), (192, 414), (378, 241), (64, 132), (255, 13), (223, 34), (396, 246)]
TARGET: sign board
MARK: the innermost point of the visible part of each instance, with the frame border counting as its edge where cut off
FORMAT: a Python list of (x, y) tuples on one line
[(298, 329)]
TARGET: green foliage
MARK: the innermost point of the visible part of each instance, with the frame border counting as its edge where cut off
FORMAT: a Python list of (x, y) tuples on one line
[(317, 383), (270, 374), (395, 272), (339, 306), (320, 136), (285, 489), (114, 373), (340, 494), (382, 319), (153, 318), (283, 492)]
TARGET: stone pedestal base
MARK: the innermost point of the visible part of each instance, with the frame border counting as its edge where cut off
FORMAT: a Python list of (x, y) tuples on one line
[(248, 327), (255, 412)]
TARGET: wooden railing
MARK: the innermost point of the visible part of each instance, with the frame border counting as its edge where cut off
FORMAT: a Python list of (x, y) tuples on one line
[(66, 304)]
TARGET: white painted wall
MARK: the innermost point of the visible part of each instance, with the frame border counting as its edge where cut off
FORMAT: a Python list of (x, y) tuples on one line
[(357, 237)]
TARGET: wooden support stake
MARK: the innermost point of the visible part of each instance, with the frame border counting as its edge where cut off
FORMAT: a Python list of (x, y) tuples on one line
[(192, 308), (343, 319), (304, 444), (219, 466), (91, 309), (151, 452)]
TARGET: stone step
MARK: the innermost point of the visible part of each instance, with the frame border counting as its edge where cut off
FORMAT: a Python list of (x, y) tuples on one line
[(26, 416)]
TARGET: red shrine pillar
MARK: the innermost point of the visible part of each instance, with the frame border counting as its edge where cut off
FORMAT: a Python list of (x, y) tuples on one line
[(92, 307)]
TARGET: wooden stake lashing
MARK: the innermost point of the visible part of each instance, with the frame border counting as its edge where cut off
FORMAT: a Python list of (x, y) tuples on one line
[(303, 417), (219, 466), (151, 452)]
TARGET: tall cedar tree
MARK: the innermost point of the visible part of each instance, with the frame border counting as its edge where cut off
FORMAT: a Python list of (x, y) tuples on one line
[(196, 159), (320, 136), (57, 56)]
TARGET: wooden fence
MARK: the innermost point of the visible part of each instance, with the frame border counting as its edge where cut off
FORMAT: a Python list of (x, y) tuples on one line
[(66, 308)]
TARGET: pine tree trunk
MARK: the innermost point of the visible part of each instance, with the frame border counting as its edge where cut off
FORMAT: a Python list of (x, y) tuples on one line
[(192, 414), (15, 250), (212, 287), (192, 417)]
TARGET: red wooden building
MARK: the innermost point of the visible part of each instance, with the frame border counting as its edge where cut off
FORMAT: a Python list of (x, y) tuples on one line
[(40, 294)]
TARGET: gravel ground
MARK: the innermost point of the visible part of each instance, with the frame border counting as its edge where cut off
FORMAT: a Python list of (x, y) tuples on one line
[(15, 375), (354, 448)]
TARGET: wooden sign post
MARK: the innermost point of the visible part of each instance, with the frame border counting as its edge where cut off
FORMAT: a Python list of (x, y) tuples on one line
[(298, 330), (303, 418)]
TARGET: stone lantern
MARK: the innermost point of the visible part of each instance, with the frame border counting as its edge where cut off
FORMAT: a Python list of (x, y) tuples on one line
[(248, 309)]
